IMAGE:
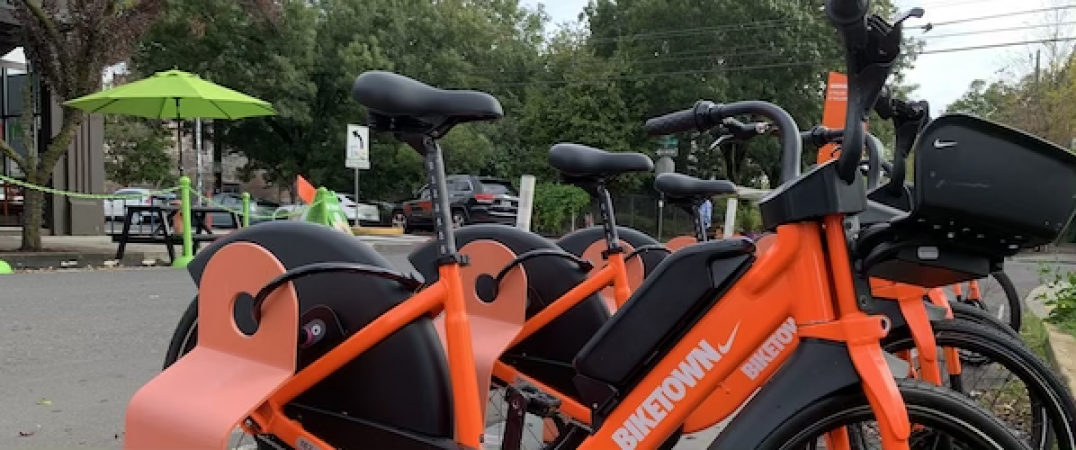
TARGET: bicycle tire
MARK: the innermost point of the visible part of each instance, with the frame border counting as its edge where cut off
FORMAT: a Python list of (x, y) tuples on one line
[(1044, 387), (1016, 304), (964, 311), (926, 404), (185, 328)]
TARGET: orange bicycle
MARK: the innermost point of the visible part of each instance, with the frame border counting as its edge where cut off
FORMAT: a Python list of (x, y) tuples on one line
[(916, 326), (641, 382), (803, 279)]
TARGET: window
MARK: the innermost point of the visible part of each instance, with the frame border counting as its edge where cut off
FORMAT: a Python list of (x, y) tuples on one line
[(461, 185), (498, 187)]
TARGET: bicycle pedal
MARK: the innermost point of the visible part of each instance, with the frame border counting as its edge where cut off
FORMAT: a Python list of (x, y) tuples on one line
[(539, 403)]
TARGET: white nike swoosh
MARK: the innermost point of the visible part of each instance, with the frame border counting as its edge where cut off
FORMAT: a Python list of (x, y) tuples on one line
[(938, 143), (724, 348)]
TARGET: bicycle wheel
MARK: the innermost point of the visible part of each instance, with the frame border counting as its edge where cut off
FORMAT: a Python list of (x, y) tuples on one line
[(964, 311), (1040, 412), (943, 415), (999, 298)]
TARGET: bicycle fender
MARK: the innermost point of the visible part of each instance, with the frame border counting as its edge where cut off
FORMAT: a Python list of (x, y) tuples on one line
[(294, 243), (816, 370)]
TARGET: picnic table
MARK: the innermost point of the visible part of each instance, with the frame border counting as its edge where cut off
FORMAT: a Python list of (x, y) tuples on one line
[(161, 217)]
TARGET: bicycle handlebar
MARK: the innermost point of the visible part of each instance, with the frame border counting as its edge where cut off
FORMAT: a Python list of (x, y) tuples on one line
[(706, 115)]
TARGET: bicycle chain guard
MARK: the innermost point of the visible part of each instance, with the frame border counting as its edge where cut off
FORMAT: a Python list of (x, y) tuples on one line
[(494, 324), (199, 401)]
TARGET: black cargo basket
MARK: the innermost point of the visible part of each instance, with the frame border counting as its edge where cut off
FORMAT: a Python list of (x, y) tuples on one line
[(983, 191)]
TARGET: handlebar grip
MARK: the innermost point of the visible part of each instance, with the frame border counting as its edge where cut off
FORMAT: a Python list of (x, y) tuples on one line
[(696, 118)]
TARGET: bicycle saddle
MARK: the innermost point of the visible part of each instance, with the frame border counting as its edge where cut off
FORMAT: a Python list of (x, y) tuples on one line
[(581, 161), (678, 185), (395, 95)]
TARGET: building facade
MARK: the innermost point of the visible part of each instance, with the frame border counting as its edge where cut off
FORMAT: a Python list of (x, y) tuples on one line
[(81, 169)]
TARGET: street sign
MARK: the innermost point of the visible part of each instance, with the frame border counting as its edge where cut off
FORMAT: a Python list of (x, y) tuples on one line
[(668, 141), (358, 147)]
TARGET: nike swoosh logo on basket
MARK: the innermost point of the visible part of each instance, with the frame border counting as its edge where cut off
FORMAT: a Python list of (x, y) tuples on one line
[(938, 143)]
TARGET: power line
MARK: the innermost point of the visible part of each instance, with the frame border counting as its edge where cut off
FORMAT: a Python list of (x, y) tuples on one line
[(731, 53), (990, 46), (790, 64), (995, 30), (998, 16), (760, 25)]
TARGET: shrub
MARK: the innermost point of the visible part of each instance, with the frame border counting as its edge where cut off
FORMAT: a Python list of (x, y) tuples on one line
[(1060, 296), (554, 204)]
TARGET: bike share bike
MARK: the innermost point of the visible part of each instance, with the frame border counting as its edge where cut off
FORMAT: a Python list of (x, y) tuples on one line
[(346, 380), (1046, 396)]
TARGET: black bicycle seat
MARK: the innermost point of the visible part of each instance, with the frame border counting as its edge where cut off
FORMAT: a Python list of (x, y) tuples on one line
[(581, 161), (678, 185), (395, 95)]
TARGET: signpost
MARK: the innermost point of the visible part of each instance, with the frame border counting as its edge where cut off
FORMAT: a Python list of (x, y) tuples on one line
[(526, 202), (665, 164), (358, 153)]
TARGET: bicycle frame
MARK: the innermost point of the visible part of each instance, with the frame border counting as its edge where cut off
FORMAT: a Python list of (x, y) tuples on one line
[(446, 294), (261, 401), (790, 279)]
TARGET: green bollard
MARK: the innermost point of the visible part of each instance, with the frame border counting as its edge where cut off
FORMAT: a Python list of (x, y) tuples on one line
[(5, 268), (246, 209), (185, 210)]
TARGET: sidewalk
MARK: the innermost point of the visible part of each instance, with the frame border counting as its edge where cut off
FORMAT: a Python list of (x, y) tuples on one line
[(100, 251)]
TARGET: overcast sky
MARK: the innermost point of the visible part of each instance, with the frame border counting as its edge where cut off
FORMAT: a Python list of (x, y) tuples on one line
[(943, 77)]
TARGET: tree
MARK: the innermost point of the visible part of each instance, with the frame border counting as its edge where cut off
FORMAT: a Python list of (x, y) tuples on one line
[(269, 57), (306, 66), (576, 98), (68, 44), (67, 47), (680, 51), (136, 151)]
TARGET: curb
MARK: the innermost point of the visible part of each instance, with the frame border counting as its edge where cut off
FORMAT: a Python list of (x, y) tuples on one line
[(377, 231), (1060, 346), (80, 260)]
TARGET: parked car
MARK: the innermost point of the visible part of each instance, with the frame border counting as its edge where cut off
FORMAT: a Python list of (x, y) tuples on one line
[(473, 199), (116, 209), (384, 210), (260, 209), (356, 213)]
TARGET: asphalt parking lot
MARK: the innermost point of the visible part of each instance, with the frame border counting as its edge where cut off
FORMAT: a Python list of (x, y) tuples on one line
[(75, 345)]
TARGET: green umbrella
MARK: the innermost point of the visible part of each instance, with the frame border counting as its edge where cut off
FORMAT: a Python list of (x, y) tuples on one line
[(174, 94)]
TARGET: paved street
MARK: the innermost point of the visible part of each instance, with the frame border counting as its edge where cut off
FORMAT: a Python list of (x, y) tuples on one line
[(76, 345)]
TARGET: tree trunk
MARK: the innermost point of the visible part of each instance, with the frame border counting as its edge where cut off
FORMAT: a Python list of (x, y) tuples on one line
[(40, 170), (32, 212)]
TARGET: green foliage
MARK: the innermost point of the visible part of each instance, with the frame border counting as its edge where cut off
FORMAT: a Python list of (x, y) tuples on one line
[(592, 82), (554, 204), (136, 151), (1059, 296), (1039, 102)]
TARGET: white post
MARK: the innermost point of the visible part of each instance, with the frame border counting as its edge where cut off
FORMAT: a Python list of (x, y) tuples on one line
[(730, 217), (526, 202)]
